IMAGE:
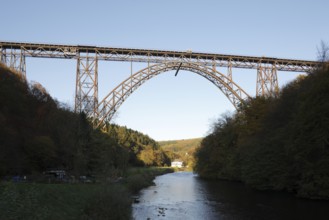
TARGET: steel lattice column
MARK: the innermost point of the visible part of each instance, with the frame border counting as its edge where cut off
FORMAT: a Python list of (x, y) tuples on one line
[(22, 64), (2, 55), (15, 60), (86, 95), (267, 81)]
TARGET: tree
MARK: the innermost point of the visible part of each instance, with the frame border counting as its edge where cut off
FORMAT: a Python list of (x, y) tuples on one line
[(41, 152), (323, 52), (147, 156)]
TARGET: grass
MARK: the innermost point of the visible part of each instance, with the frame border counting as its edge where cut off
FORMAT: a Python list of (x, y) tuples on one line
[(74, 201)]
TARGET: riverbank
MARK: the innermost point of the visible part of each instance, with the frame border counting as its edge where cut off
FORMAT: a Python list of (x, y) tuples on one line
[(75, 201)]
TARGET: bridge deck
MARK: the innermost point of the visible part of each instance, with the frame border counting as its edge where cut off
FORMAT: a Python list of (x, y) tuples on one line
[(155, 56)]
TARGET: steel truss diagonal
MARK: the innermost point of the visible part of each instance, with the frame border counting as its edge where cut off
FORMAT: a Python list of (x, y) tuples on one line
[(109, 105)]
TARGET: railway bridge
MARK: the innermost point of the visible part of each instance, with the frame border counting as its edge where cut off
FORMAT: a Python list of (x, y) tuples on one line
[(13, 55)]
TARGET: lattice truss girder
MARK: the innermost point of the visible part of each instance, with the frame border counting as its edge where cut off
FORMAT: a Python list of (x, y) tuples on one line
[(86, 98), (267, 81), (53, 52), (14, 59), (109, 105), (227, 62), (157, 56)]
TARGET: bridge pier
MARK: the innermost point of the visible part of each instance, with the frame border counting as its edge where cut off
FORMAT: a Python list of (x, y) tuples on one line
[(2, 55), (267, 81), (14, 59), (86, 93)]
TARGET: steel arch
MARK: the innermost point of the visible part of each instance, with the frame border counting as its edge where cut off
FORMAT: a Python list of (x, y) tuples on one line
[(109, 105)]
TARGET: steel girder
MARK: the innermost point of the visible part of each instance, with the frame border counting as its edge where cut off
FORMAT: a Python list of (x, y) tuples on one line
[(158, 56), (86, 95), (109, 105)]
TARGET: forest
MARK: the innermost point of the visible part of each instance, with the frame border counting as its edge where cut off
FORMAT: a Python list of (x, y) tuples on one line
[(276, 143), (37, 133)]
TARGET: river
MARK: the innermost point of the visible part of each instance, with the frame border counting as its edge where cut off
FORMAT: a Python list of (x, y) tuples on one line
[(182, 195)]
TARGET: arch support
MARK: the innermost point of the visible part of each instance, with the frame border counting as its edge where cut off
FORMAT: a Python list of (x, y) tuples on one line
[(109, 105)]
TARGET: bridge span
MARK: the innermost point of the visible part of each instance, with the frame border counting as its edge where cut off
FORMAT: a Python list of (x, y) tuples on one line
[(13, 55)]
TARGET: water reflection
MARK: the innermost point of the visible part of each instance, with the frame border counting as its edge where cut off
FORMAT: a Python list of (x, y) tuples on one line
[(236, 201), (183, 195), (175, 196)]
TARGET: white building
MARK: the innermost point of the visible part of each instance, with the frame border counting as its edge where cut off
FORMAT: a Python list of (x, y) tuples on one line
[(178, 164)]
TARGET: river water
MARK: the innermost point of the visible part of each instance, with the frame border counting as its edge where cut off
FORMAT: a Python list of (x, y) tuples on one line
[(182, 195)]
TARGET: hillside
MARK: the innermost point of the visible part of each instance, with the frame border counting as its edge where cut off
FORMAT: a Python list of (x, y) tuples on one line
[(181, 149), (180, 145)]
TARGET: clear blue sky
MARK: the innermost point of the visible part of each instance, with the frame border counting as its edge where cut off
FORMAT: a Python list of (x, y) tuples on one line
[(166, 107)]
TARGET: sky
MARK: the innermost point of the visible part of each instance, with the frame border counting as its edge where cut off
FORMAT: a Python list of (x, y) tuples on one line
[(166, 107)]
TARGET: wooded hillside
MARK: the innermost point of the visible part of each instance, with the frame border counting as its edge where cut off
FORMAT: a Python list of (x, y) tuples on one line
[(181, 149), (275, 143), (37, 133)]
